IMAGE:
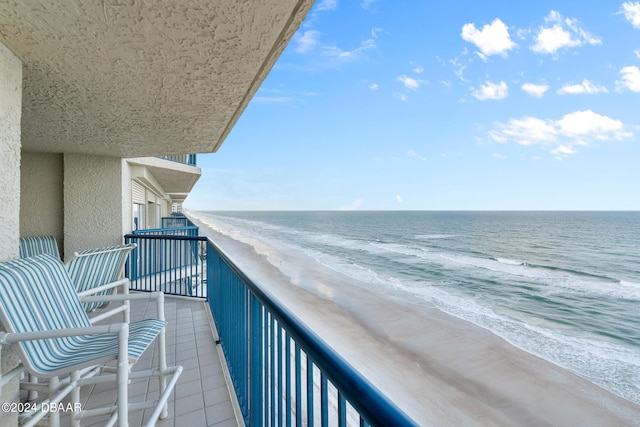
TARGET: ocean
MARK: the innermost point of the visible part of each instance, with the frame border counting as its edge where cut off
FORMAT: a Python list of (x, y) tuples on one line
[(564, 286)]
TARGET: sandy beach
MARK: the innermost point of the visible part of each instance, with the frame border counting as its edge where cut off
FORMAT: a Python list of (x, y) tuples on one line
[(440, 370)]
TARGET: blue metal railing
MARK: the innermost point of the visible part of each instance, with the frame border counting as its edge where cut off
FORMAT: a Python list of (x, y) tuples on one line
[(176, 221), (187, 159), (170, 262), (189, 230), (282, 372)]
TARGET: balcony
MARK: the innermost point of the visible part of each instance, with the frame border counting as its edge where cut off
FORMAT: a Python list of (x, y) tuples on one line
[(278, 371)]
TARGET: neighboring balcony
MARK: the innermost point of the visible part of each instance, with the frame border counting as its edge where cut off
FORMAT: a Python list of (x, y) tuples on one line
[(187, 159), (172, 175)]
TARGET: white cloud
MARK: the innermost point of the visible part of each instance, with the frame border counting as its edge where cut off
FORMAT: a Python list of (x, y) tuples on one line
[(631, 11), (592, 125), (272, 99), (374, 86), (458, 69), (336, 52), (563, 33), (491, 91), (398, 198), (525, 131), (353, 206), (276, 96), (419, 69), (366, 4), (561, 137), (306, 41), (327, 5), (630, 79), (549, 40), (412, 153), (499, 156), (637, 52), (409, 82), (537, 90), (401, 96), (586, 87), (493, 39)]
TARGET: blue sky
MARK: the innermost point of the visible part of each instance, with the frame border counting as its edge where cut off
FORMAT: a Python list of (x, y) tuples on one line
[(436, 105)]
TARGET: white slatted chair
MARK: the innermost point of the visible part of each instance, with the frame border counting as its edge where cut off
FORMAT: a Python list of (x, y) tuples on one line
[(31, 246), (100, 272), (43, 315)]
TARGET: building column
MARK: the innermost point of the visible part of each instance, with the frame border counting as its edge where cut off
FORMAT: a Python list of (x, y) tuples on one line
[(93, 202), (10, 113)]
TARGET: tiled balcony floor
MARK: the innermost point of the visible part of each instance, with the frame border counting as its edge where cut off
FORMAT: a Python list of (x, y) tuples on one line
[(201, 396)]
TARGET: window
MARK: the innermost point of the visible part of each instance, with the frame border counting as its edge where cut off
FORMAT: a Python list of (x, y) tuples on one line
[(139, 222)]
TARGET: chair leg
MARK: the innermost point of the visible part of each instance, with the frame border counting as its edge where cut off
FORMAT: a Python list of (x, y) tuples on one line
[(75, 398), (54, 416), (162, 366), (122, 376), (162, 357), (127, 311), (32, 394)]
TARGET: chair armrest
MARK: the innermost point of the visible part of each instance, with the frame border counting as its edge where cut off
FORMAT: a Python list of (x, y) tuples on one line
[(12, 337), (158, 296), (123, 297), (122, 282)]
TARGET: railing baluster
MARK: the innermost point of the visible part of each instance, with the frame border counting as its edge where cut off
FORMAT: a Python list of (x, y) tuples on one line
[(272, 399), (265, 334), (280, 383), (310, 392), (324, 401), (342, 410), (256, 373), (298, 368), (287, 376)]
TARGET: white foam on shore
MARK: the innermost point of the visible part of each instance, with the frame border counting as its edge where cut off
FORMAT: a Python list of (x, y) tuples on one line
[(510, 261), (434, 236)]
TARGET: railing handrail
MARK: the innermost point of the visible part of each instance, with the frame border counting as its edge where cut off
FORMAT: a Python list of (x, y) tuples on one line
[(145, 231), (373, 405), (161, 237)]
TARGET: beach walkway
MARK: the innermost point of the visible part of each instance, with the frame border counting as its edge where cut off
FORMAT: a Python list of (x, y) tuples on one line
[(201, 397)]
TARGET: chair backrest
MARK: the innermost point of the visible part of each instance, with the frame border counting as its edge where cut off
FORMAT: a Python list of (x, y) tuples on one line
[(30, 246), (36, 295), (95, 267)]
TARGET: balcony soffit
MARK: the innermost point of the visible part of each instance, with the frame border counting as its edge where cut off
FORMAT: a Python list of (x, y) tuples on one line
[(142, 78), (166, 176)]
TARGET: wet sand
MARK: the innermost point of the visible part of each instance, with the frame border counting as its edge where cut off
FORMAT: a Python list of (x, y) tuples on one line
[(440, 370)]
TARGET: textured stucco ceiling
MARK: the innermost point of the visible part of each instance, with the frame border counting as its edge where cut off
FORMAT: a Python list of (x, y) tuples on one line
[(141, 78)]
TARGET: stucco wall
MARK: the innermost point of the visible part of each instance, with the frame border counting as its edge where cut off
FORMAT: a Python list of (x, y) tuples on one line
[(41, 196), (93, 202), (10, 113)]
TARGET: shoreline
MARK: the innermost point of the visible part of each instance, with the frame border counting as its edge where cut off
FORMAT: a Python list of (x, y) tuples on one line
[(439, 369)]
